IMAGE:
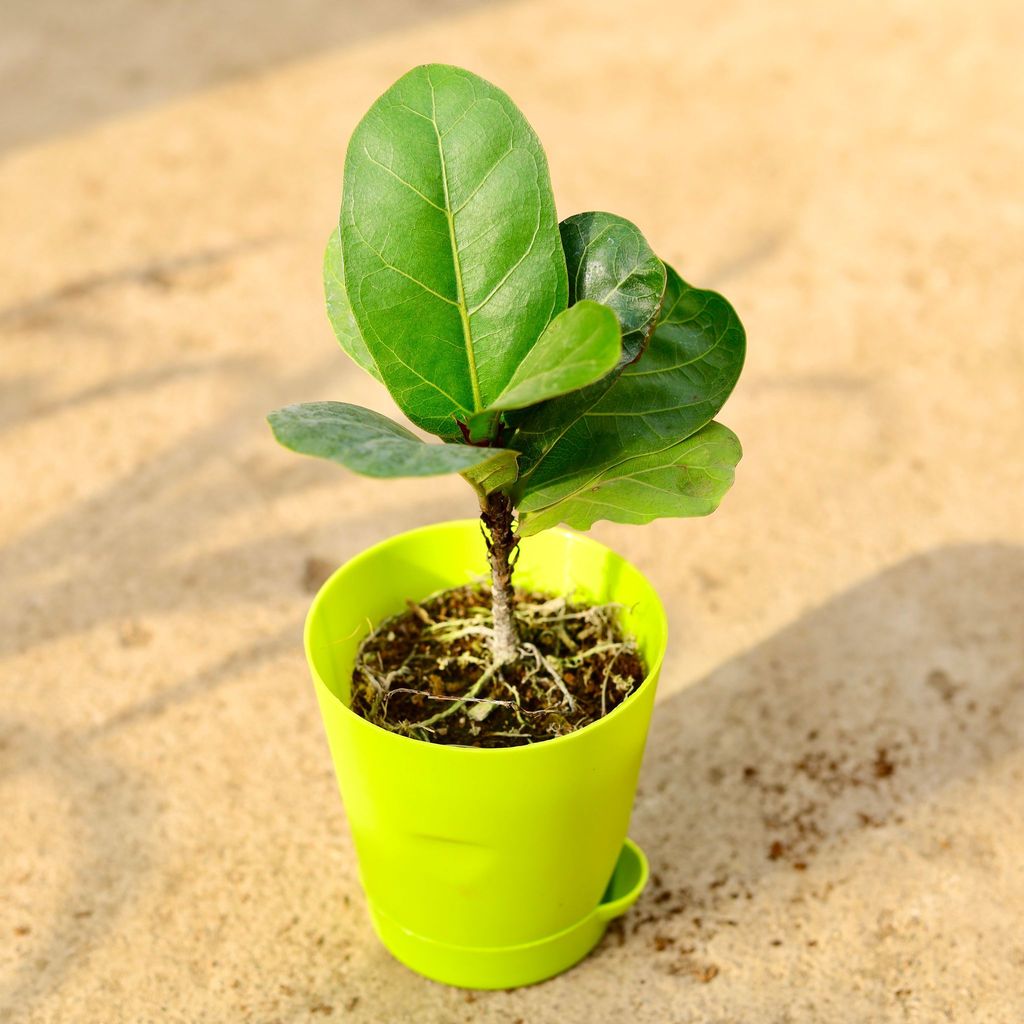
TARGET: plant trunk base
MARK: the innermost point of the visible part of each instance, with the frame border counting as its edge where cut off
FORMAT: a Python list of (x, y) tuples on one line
[(502, 542)]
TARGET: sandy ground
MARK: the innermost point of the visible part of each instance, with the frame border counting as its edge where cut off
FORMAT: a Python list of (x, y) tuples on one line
[(832, 797)]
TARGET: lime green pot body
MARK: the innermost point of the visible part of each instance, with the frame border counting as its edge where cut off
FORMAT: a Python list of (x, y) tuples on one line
[(486, 868)]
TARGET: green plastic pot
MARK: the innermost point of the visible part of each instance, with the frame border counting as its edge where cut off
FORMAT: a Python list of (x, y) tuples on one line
[(486, 868)]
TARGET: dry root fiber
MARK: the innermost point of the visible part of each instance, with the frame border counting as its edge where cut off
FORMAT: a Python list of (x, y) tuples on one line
[(430, 673)]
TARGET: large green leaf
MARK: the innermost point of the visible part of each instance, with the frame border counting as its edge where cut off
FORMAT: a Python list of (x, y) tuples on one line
[(688, 478), (690, 366), (453, 262), (369, 443), (339, 311), (609, 261)]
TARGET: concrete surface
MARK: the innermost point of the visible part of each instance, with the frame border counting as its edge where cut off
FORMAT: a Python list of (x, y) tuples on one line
[(832, 797)]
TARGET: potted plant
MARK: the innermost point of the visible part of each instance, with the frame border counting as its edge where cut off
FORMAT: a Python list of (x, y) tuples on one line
[(487, 740)]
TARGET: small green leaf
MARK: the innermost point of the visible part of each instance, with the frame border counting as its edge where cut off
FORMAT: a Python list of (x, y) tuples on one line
[(578, 347), (690, 366), (453, 261), (368, 443), (609, 261), (498, 472), (688, 478), (339, 312)]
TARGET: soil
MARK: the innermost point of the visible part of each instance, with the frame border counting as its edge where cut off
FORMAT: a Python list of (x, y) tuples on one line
[(429, 673)]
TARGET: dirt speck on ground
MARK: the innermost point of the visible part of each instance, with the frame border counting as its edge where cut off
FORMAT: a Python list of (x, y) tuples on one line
[(315, 571)]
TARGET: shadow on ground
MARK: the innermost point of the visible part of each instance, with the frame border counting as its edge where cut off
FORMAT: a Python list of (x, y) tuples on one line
[(83, 64), (97, 849), (846, 721)]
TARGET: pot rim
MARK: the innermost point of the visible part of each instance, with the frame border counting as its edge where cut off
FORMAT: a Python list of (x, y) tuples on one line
[(448, 749)]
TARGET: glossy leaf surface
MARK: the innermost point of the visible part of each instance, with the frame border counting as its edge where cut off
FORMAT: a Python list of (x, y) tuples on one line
[(680, 382), (609, 261), (581, 345)]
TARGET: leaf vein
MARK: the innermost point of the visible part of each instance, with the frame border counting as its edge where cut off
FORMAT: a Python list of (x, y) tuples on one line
[(399, 178)]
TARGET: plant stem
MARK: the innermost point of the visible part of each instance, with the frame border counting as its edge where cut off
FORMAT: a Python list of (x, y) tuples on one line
[(497, 517)]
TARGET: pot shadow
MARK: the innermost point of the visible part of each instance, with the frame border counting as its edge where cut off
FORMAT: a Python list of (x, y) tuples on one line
[(106, 816), (846, 721)]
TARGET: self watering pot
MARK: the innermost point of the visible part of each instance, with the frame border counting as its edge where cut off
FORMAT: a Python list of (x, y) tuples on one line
[(486, 868)]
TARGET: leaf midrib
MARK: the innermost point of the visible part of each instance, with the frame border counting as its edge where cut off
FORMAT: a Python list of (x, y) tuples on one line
[(467, 332)]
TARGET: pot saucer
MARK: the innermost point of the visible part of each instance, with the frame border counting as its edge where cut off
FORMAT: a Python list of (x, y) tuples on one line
[(512, 966)]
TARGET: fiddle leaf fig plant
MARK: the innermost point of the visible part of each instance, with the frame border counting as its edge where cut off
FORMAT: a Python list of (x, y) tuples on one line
[(569, 374)]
